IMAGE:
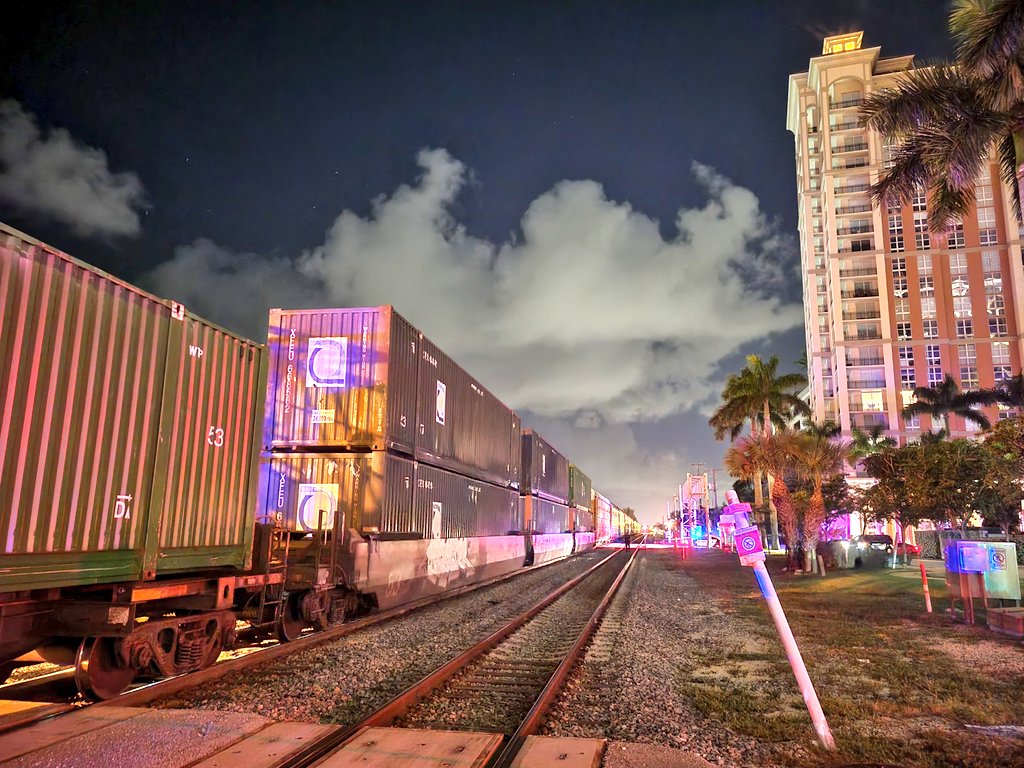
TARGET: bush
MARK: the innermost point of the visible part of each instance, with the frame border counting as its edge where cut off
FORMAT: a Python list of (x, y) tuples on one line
[(930, 547)]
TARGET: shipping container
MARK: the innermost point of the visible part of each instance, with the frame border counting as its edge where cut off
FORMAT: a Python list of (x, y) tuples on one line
[(582, 519), (515, 450), (342, 379), (544, 471), (461, 507), (580, 488), (129, 430), (543, 515), (370, 492), (602, 509), (462, 426)]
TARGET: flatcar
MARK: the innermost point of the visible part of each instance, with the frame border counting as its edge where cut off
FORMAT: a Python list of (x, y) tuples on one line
[(164, 479)]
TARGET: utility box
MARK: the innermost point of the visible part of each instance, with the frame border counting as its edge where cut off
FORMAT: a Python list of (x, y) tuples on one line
[(989, 563)]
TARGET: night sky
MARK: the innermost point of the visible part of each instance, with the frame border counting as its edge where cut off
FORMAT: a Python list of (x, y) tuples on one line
[(591, 206)]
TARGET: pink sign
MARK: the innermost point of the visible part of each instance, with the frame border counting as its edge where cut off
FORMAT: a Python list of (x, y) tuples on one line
[(748, 545)]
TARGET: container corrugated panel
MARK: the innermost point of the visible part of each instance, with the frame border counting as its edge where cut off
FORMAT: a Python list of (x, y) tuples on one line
[(211, 421), (515, 451), (543, 471), (602, 508), (462, 426), (341, 378), (370, 492), (461, 507), (543, 515), (89, 386), (580, 488), (583, 519)]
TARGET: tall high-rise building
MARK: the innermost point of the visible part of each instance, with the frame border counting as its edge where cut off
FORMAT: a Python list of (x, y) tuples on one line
[(888, 305)]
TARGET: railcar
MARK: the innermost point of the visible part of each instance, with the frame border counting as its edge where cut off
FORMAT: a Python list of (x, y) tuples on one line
[(158, 485)]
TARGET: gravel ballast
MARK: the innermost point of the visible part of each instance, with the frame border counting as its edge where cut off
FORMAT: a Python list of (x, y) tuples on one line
[(345, 680)]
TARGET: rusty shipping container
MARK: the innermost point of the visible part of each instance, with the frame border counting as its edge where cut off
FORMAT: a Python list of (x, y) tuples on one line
[(544, 471), (129, 429), (370, 493), (543, 515), (460, 507), (342, 379), (580, 488), (462, 426)]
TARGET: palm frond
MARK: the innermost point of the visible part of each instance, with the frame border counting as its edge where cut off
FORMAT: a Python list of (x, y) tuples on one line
[(919, 97), (989, 34), (1008, 165), (920, 408), (899, 182)]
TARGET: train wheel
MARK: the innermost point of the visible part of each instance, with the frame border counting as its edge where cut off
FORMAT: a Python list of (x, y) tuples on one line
[(99, 672), (292, 622)]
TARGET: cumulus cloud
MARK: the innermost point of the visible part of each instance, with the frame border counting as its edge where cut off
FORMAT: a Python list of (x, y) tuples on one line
[(53, 176), (589, 319)]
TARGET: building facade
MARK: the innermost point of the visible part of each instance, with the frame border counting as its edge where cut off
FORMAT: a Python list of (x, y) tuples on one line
[(888, 305)]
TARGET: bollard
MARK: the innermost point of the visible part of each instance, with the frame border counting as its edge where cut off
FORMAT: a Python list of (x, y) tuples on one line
[(927, 594)]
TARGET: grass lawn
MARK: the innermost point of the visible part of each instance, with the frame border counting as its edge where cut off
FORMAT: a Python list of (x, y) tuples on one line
[(897, 685)]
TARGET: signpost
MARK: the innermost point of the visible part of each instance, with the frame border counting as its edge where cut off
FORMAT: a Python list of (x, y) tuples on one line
[(751, 553)]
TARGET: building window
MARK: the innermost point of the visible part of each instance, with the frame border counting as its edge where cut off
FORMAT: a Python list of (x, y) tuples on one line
[(907, 378), (957, 264), (926, 284), (964, 329), (993, 272), (928, 306), (997, 326), (906, 355), (902, 309), (899, 266), (934, 375), (919, 200), (956, 235), (968, 357), (904, 331), (896, 232), (899, 286), (924, 264), (872, 400), (922, 239), (1001, 360), (962, 306), (914, 422), (933, 354), (931, 329), (987, 225)]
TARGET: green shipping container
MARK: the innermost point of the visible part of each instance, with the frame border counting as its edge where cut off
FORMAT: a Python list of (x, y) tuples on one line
[(128, 432)]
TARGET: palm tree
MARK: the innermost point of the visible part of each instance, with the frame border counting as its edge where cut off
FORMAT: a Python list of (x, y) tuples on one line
[(749, 457), (760, 394), (944, 120), (947, 398), (1010, 392), (864, 444), (817, 459), (827, 428)]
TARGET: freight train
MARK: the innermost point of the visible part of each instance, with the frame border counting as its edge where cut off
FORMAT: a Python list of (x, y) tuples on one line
[(164, 479)]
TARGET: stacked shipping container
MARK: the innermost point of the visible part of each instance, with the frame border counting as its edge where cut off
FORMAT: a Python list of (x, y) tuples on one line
[(366, 382), (544, 486), (129, 428)]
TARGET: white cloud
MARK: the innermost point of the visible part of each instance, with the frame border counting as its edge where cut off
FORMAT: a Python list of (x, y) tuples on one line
[(53, 176), (591, 319)]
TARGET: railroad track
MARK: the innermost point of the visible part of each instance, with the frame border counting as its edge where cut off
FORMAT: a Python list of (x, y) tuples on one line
[(58, 690), (506, 683)]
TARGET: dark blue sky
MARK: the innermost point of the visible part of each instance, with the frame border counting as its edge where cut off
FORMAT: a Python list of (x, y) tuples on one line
[(254, 124)]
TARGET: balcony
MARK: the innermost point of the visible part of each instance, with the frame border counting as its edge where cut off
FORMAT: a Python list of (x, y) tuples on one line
[(861, 291), (869, 314), (850, 189), (844, 210), (863, 361), (853, 146), (859, 272), (846, 102), (847, 125), (864, 229), (865, 384), (867, 336), (850, 165), (858, 246), (870, 420)]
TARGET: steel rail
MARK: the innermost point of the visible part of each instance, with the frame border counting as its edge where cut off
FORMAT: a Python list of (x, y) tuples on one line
[(149, 692), (404, 701)]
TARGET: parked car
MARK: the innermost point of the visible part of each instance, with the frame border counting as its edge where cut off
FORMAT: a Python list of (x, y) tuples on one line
[(881, 542), (903, 548)]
